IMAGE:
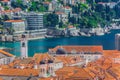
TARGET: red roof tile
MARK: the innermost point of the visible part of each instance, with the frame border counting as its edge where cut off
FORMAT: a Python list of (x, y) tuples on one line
[(14, 21), (79, 48)]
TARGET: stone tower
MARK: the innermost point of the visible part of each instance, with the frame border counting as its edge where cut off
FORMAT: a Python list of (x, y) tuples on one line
[(24, 47)]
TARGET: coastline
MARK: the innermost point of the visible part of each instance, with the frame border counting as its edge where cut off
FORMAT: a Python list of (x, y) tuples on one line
[(42, 45), (97, 32)]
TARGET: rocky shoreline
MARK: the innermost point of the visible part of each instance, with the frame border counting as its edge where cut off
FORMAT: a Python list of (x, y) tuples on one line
[(55, 33)]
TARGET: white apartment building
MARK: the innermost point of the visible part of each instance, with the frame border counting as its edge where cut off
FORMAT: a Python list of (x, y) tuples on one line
[(18, 26), (35, 27), (34, 21)]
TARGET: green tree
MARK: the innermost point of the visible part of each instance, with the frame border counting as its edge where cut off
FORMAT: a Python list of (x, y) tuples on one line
[(5, 17), (42, 9), (51, 20), (19, 3), (60, 24), (6, 7)]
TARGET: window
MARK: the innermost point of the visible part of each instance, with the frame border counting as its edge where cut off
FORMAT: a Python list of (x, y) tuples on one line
[(23, 44)]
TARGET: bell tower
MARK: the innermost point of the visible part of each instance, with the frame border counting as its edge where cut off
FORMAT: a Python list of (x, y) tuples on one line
[(24, 47)]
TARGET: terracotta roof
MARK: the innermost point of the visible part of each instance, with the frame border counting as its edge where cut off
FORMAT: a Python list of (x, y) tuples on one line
[(67, 7), (19, 72), (27, 63), (16, 9), (88, 70), (59, 13), (115, 72), (4, 66), (70, 26), (46, 2), (14, 21), (100, 68), (6, 53), (1, 78), (79, 48), (111, 53), (70, 73), (6, 11), (81, 74), (10, 11), (103, 63), (40, 57), (69, 59), (109, 77), (5, 0), (95, 71)]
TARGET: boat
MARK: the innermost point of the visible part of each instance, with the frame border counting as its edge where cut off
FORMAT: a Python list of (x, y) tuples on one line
[(48, 36), (100, 33)]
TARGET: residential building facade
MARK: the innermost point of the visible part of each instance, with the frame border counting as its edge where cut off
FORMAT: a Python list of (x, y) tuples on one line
[(90, 53), (35, 27), (18, 26), (34, 21)]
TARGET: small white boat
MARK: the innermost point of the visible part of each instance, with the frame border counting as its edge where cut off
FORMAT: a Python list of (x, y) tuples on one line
[(46, 36), (100, 33)]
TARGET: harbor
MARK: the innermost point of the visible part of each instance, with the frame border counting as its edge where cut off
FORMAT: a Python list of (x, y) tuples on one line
[(42, 45), (57, 33)]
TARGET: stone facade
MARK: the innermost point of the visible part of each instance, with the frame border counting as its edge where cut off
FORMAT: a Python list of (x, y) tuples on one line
[(5, 58)]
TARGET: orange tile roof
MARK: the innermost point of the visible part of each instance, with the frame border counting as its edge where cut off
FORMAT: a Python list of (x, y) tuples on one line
[(10, 11), (6, 53), (7, 11), (27, 63), (19, 72), (46, 2), (97, 68), (79, 48), (40, 57), (4, 66), (14, 21), (73, 72), (109, 77), (60, 13), (116, 70), (95, 71), (103, 63), (81, 73), (16, 9), (89, 71), (5, 0), (1, 78), (111, 53), (69, 59), (70, 26), (67, 7)]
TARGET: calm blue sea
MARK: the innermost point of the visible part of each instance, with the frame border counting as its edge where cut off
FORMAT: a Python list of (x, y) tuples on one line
[(42, 45)]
